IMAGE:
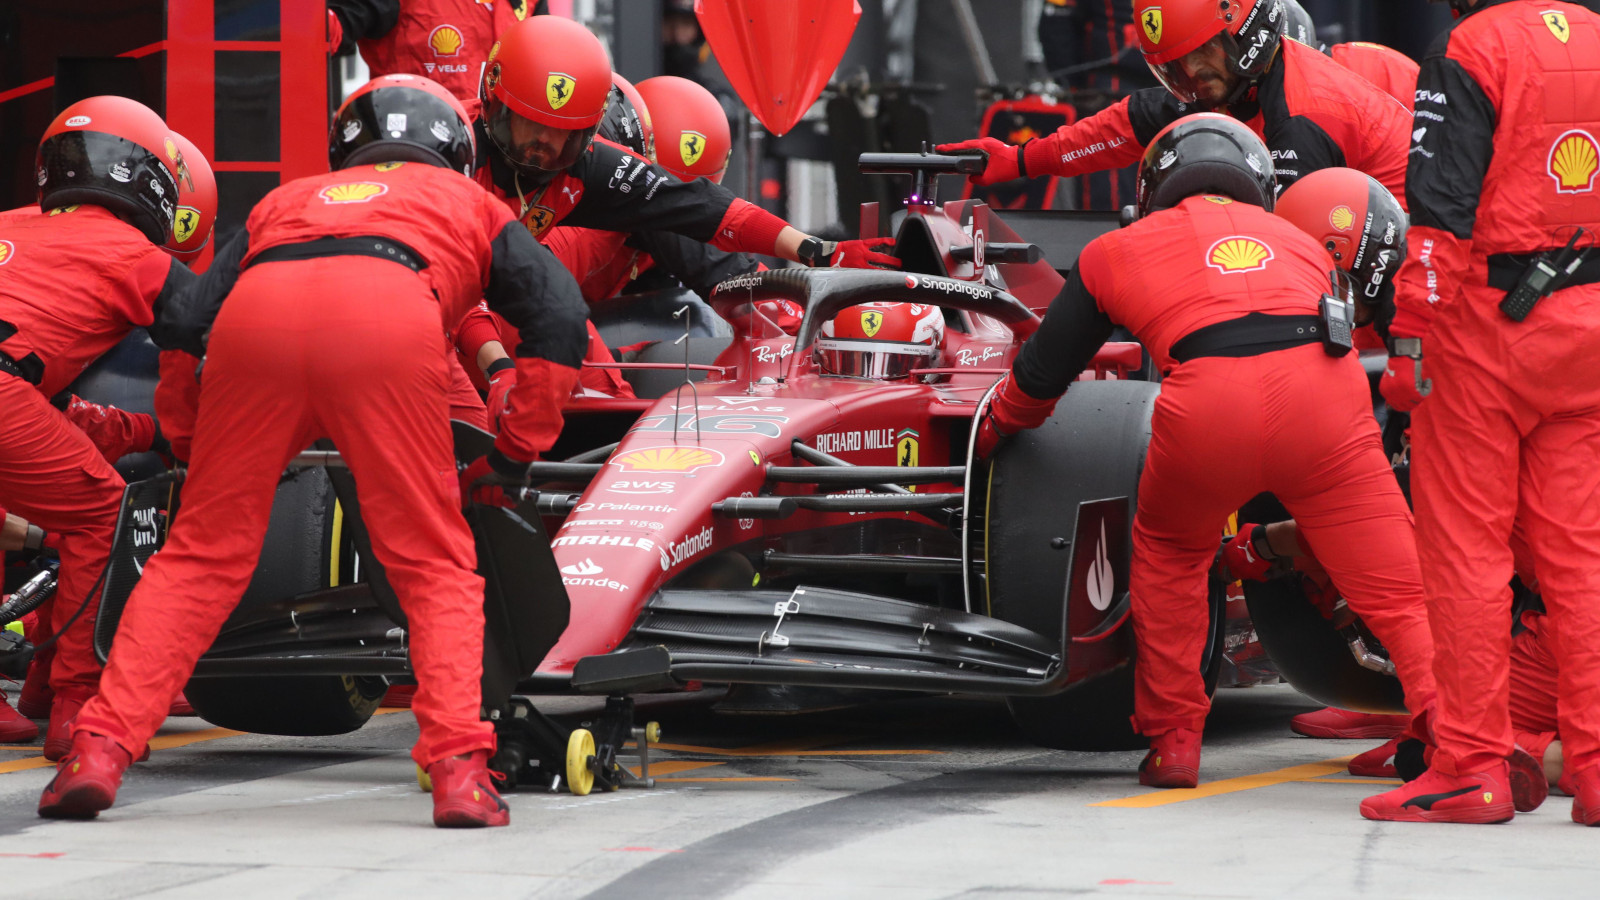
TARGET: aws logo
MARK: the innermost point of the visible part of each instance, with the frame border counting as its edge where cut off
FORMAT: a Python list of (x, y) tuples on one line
[(1574, 160), (445, 40), (355, 192), (662, 460), (1237, 255)]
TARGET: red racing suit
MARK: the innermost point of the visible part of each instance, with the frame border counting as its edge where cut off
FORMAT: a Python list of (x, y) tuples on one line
[(338, 295), (1256, 415), (1311, 112), (1390, 70), (445, 40), (1503, 165), (73, 282)]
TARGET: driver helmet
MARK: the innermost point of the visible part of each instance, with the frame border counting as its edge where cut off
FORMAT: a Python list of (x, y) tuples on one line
[(1248, 32), (627, 119), (881, 340), (1206, 153), (1297, 24), (197, 200), (1358, 222), (111, 151), (545, 89)]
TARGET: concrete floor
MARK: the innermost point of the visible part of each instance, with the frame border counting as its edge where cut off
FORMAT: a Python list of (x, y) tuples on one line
[(909, 798)]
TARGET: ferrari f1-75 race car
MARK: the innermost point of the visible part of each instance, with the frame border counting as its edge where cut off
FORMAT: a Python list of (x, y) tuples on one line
[(755, 520)]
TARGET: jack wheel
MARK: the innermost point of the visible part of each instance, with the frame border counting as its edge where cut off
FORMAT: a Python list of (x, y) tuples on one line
[(580, 750), (423, 781), (652, 732)]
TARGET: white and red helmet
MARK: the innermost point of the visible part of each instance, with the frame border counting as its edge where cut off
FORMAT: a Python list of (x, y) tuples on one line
[(881, 340)]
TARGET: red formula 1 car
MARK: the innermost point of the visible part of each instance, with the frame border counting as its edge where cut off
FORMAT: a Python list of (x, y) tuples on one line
[(769, 524)]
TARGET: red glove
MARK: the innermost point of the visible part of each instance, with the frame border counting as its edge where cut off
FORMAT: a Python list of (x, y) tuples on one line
[(485, 482), (989, 438), (1402, 385), (335, 33), (501, 381), (1242, 555), (1012, 410), (1005, 160), (863, 254)]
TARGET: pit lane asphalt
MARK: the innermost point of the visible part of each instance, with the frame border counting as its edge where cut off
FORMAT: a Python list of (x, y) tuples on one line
[(934, 798)]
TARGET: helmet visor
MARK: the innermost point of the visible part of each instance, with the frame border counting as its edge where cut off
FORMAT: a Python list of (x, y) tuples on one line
[(533, 148), (1201, 76), (872, 359)]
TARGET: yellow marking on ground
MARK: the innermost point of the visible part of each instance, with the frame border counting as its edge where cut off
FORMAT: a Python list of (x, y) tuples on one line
[(671, 766), (1230, 785), (1391, 782), (789, 748), (165, 742)]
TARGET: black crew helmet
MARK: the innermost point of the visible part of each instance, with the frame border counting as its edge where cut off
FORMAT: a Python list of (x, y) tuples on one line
[(402, 118), (1205, 153)]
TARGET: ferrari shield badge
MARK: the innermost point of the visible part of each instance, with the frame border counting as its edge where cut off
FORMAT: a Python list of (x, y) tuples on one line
[(184, 223), (690, 145), (558, 89), (871, 321), (1151, 23), (1557, 23)]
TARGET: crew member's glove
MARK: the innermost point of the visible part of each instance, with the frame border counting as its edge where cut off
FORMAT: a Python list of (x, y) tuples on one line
[(863, 254), (1246, 555), (1012, 410), (37, 541), (1005, 160), (1402, 385), (502, 378), (487, 478)]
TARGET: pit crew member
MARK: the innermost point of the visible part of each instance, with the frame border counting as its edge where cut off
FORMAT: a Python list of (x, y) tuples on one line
[(1225, 55), (325, 317), (1392, 71), (444, 40), (1502, 176), (1234, 304), (76, 280)]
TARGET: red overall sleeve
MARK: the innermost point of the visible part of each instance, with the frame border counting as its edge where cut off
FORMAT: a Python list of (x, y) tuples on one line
[(114, 432), (178, 400)]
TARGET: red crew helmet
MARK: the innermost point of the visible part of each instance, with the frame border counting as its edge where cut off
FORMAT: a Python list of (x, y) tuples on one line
[(402, 118), (197, 200), (544, 91), (1357, 220), (1248, 32), (110, 151), (691, 127), (881, 340), (627, 119)]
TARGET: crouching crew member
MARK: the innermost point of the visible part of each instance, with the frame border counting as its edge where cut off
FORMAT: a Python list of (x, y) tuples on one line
[(73, 282), (1505, 325), (1253, 401), (327, 318)]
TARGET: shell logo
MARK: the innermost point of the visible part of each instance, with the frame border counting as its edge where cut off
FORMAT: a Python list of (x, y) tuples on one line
[(6, 250), (1150, 20), (445, 40), (1237, 255), (690, 145), (63, 209), (1341, 218), (387, 166), (354, 192), (668, 460), (1574, 160)]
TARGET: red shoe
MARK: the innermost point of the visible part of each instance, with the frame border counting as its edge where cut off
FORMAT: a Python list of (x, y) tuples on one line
[(1377, 762), (37, 695), (14, 727), (464, 794), (87, 780), (180, 706), (1586, 796), (1173, 760), (1529, 787), (1482, 798), (58, 736), (1342, 724), (399, 696)]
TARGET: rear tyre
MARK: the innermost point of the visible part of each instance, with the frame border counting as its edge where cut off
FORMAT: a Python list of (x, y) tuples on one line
[(297, 556), (1092, 448), (652, 383)]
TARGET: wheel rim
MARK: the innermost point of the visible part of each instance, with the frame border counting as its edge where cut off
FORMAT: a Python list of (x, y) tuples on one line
[(423, 781), (580, 749)]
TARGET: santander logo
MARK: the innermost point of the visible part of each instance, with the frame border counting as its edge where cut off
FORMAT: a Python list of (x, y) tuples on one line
[(587, 567)]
